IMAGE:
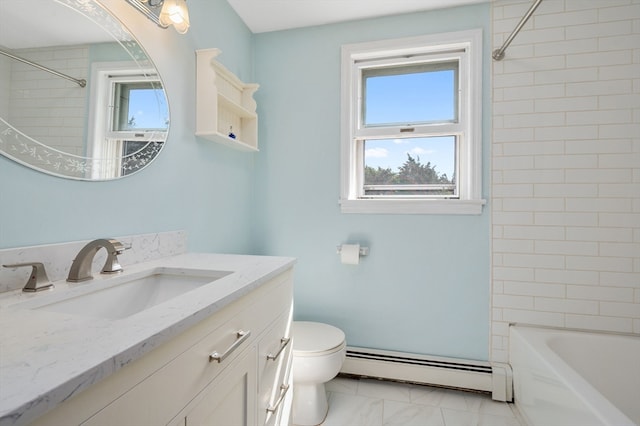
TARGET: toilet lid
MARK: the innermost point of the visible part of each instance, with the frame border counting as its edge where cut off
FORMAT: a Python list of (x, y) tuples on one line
[(313, 337)]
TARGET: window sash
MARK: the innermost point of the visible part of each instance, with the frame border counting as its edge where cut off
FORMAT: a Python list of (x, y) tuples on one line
[(123, 163), (401, 132), (361, 188), (137, 135), (120, 87), (394, 130), (435, 190), (399, 70)]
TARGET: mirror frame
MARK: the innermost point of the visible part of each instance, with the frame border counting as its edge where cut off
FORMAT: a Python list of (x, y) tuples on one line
[(57, 163)]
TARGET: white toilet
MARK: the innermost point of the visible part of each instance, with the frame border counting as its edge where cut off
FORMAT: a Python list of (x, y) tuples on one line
[(318, 353)]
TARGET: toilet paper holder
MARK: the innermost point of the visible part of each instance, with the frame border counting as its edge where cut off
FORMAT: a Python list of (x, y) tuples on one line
[(364, 251)]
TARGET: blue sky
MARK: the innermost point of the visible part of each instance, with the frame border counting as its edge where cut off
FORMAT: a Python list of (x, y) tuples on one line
[(149, 107)]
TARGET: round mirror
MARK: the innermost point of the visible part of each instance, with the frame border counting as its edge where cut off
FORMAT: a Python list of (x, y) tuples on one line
[(79, 98)]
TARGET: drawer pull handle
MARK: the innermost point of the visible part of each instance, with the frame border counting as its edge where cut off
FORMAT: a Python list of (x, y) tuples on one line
[(283, 344), (283, 392), (241, 337)]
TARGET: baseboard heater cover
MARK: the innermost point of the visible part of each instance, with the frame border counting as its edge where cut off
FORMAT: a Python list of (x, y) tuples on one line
[(422, 369)]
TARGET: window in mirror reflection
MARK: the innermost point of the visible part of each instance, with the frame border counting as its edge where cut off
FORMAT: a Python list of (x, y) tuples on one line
[(136, 106), (131, 116), (131, 162)]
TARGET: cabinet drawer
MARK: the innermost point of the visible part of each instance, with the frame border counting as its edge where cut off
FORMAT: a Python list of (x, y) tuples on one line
[(229, 400), (158, 398), (274, 353), (280, 408)]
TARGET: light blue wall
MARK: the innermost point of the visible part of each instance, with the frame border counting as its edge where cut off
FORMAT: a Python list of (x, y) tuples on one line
[(194, 185), (424, 287)]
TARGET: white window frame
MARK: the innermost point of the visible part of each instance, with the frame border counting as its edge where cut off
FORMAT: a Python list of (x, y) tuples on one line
[(465, 46), (104, 143)]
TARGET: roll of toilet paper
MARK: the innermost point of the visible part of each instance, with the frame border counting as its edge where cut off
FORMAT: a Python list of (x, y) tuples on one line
[(350, 254)]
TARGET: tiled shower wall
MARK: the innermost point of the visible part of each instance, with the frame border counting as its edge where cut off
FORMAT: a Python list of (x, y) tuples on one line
[(5, 72), (566, 168), (49, 108)]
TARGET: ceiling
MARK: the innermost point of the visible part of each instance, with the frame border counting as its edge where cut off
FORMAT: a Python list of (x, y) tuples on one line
[(58, 25), (37, 23), (273, 15)]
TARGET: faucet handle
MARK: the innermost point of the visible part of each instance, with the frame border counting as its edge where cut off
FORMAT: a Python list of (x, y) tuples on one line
[(112, 264), (38, 279), (119, 247)]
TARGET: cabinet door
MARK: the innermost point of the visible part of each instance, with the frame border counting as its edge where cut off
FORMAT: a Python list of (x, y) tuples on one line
[(274, 360), (229, 400)]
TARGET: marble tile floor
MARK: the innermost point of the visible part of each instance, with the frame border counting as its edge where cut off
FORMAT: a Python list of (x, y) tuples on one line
[(369, 402)]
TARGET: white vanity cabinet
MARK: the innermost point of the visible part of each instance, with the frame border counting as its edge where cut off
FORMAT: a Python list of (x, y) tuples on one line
[(179, 383), (229, 400), (248, 393), (274, 371), (225, 108)]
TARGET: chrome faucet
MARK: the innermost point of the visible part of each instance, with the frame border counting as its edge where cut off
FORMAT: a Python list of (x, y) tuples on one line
[(81, 266), (38, 279)]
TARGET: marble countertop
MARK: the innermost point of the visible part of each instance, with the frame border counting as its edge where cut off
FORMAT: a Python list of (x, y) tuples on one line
[(48, 357)]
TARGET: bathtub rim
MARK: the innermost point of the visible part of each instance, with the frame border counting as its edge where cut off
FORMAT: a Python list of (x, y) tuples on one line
[(608, 413)]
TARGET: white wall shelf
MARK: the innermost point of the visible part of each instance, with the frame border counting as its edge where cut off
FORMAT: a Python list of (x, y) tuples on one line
[(224, 104)]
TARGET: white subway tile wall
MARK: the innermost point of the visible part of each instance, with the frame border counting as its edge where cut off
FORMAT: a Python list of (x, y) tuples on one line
[(566, 167), (44, 106), (5, 85)]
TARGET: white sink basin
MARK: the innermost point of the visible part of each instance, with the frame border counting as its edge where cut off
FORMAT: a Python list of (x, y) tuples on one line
[(120, 297)]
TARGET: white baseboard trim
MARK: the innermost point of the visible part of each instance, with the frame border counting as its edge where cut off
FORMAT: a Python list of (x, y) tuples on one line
[(431, 370)]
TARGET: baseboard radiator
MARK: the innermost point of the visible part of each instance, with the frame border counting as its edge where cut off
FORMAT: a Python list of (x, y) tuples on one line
[(438, 371)]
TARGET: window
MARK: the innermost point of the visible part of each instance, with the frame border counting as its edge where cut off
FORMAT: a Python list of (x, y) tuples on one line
[(411, 125), (134, 123), (130, 118)]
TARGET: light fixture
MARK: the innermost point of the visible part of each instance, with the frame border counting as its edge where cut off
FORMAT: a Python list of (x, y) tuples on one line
[(165, 12), (174, 12)]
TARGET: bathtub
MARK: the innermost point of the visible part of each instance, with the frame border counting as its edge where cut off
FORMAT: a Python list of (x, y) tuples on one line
[(563, 377)]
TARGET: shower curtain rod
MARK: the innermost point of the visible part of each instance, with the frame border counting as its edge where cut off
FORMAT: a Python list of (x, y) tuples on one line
[(80, 82), (498, 54)]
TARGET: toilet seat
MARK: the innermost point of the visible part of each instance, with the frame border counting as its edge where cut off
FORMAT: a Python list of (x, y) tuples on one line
[(316, 339)]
